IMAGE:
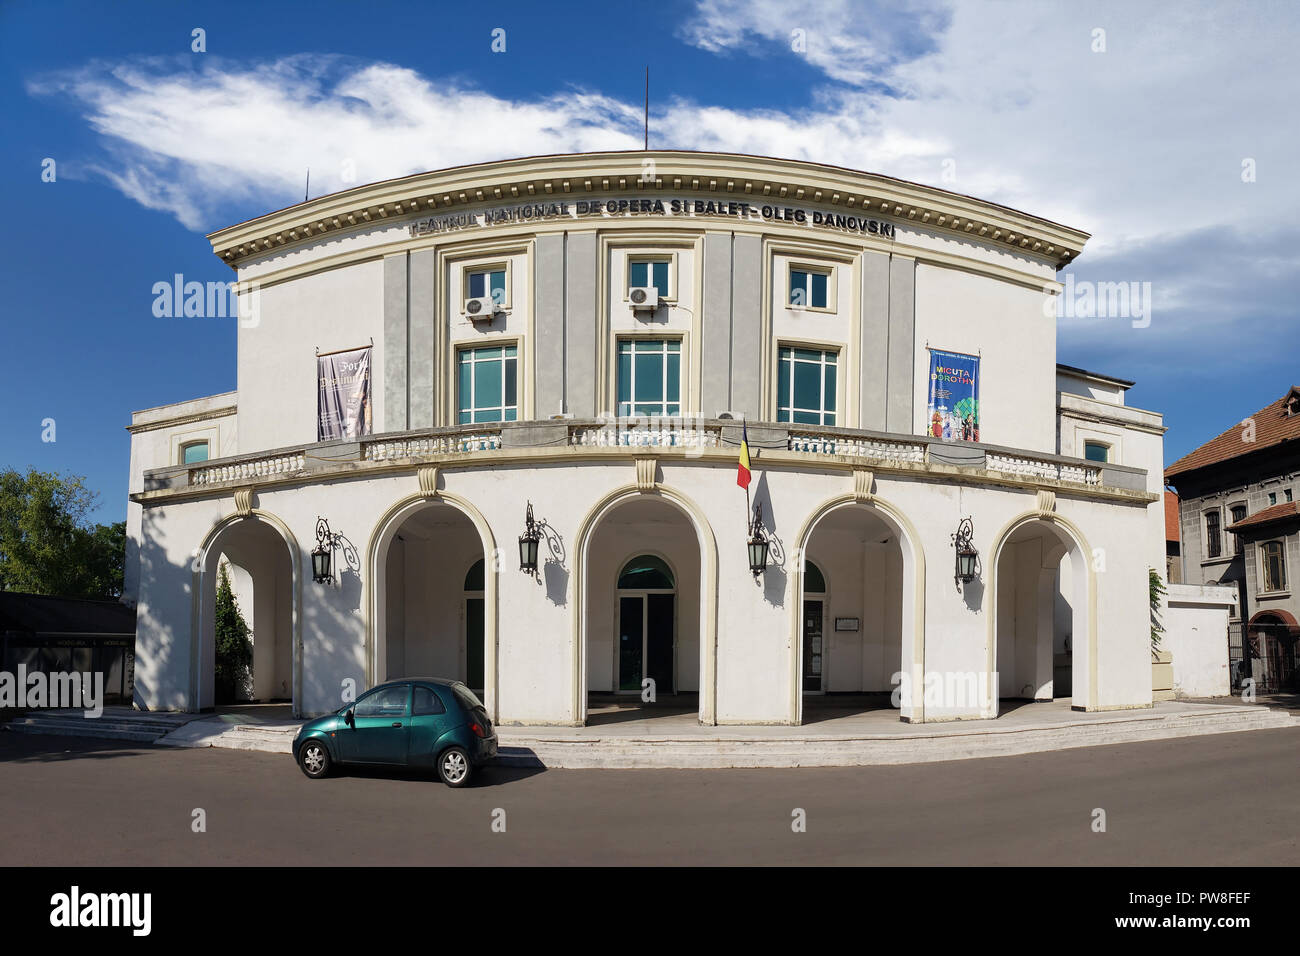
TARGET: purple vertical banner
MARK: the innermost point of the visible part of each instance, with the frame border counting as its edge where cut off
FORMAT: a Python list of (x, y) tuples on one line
[(343, 394), (954, 406)]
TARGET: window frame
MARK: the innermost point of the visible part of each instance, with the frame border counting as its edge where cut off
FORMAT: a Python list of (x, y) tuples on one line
[(1238, 546), (1104, 446), (185, 446), (1213, 535), (500, 265), (680, 340), (825, 348), (668, 256), (1262, 552), (462, 348), (832, 293)]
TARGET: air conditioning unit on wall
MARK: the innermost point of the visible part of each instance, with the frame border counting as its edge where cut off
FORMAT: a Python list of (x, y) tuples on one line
[(481, 309), (643, 299)]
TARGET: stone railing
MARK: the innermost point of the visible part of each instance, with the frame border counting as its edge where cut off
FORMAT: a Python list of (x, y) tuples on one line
[(242, 469), (690, 437), (645, 433), (875, 449), (479, 438), (1030, 467)]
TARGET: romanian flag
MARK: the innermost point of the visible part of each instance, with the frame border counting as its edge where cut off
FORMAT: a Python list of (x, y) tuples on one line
[(742, 472)]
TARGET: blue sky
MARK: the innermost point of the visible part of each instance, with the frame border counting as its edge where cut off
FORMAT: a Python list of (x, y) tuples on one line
[(1141, 142)]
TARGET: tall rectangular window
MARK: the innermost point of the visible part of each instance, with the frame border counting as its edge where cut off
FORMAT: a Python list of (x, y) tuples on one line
[(809, 288), (1238, 514), (1274, 565), (1213, 541), (488, 282), (806, 386), (488, 384), (644, 273), (649, 377)]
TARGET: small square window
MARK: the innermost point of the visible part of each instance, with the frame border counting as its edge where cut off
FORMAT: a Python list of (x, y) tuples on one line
[(809, 288), (647, 273), (486, 282), (193, 452), (1096, 451)]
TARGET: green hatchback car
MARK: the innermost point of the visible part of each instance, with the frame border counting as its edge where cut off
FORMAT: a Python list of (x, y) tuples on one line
[(418, 722)]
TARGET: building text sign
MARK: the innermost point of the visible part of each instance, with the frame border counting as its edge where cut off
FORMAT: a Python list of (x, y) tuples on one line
[(654, 208)]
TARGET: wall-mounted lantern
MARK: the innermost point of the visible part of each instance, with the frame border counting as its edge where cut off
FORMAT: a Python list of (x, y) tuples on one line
[(528, 543), (758, 543), (322, 557), (967, 558)]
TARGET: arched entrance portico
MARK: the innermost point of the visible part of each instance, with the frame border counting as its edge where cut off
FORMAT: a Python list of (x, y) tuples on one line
[(262, 556), (645, 578), (433, 595), (861, 565), (1042, 621), (1274, 638)]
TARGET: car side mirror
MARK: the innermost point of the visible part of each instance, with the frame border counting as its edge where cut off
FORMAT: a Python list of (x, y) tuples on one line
[(350, 717)]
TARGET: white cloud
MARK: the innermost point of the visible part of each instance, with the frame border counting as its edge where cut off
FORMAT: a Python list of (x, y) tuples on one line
[(1142, 144)]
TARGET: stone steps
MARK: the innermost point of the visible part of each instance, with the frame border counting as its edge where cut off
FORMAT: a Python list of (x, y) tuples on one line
[(519, 748)]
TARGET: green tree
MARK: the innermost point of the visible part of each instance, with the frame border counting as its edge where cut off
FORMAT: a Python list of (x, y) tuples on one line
[(48, 545), (1155, 591), (234, 651)]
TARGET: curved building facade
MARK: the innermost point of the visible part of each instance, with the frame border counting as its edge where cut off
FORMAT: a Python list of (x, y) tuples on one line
[(589, 339)]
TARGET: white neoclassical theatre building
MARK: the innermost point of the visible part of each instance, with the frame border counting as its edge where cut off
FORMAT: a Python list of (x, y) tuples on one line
[(422, 361)]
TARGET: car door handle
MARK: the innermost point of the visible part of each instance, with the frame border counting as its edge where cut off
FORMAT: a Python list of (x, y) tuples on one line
[(397, 723)]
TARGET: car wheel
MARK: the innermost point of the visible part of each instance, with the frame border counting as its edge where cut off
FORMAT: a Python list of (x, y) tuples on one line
[(454, 767), (314, 758)]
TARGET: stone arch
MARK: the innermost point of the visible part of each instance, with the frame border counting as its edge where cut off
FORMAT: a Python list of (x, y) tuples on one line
[(708, 595), (1072, 541), (913, 598), (203, 601), (376, 554)]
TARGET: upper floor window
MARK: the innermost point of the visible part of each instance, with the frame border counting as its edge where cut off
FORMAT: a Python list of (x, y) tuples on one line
[(488, 384), (1287, 494), (809, 288), (647, 273), (1096, 451), (1213, 541), (1238, 514), (806, 386), (1273, 560), (1272, 497), (649, 377), (485, 283), (194, 451)]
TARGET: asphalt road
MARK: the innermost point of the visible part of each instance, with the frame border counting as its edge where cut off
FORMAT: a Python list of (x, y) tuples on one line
[(1228, 799)]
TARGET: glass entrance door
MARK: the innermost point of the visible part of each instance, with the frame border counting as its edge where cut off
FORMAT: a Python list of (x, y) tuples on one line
[(812, 647), (645, 641), (474, 645)]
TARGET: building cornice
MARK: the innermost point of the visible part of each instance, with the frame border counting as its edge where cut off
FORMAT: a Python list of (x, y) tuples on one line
[(747, 178)]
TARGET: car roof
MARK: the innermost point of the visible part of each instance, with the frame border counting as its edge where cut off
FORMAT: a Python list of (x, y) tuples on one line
[(440, 681)]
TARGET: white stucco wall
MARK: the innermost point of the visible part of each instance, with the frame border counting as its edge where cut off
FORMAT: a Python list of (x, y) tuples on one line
[(756, 627), (1003, 323), (1196, 632)]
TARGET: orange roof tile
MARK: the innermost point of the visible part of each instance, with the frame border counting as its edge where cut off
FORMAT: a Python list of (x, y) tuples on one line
[(1171, 517), (1287, 509), (1272, 426)]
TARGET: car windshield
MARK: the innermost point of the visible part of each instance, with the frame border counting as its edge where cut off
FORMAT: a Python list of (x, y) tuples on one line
[(467, 697)]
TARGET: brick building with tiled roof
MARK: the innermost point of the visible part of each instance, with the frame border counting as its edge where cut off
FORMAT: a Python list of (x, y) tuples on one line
[(1239, 525)]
